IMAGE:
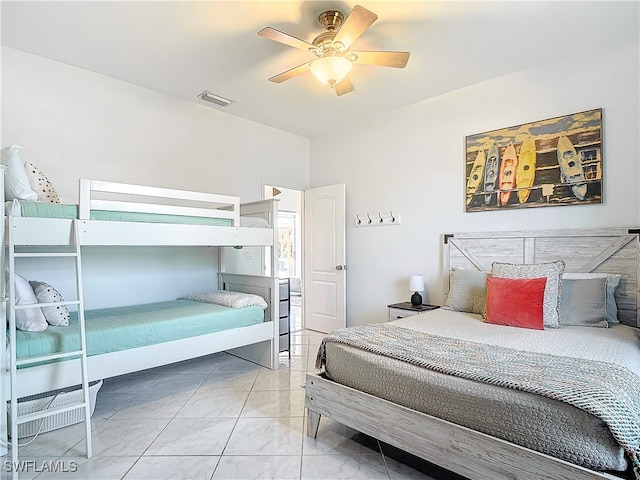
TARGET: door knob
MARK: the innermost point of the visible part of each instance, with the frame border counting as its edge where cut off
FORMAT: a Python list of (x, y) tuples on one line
[(341, 267)]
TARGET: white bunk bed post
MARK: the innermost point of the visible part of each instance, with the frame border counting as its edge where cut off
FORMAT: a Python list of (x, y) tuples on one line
[(3, 344), (83, 340), (13, 372), (267, 210)]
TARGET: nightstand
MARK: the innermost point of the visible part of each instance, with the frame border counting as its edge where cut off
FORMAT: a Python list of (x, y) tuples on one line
[(405, 309)]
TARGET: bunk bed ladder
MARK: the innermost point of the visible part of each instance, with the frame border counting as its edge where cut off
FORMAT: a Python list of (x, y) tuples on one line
[(74, 355)]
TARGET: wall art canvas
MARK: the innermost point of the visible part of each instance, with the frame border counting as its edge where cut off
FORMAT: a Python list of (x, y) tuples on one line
[(552, 162)]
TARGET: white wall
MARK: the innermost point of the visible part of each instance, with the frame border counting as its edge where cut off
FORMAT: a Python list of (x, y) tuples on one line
[(76, 124), (411, 161)]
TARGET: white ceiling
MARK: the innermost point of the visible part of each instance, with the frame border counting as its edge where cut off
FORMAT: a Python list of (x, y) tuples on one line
[(182, 48)]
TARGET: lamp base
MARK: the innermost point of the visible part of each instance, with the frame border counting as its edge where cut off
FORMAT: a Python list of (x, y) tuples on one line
[(416, 299)]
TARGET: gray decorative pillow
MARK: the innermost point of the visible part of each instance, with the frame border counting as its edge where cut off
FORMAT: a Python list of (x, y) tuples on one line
[(583, 302), (45, 293), (552, 271), (612, 282), (467, 292)]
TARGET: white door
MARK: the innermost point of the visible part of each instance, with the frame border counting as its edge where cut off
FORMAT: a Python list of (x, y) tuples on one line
[(324, 258)]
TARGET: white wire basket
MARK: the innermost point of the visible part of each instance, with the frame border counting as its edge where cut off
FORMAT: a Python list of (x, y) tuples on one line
[(40, 401)]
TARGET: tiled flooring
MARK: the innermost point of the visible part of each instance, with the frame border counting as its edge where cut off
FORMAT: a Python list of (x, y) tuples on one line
[(217, 417)]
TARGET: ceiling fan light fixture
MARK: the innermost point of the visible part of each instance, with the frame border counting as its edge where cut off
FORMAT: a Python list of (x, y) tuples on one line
[(333, 49), (331, 69)]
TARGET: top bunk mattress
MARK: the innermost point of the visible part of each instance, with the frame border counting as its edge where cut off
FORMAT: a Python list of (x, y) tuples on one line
[(23, 208), (121, 328)]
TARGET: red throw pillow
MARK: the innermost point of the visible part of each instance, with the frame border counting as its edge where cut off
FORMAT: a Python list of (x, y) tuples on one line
[(517, 302)]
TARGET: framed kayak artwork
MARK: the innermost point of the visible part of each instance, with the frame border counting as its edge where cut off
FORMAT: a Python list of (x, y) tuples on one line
[(552, 162)]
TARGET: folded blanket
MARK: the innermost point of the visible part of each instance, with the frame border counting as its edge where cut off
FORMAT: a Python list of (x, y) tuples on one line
[(228, 299)]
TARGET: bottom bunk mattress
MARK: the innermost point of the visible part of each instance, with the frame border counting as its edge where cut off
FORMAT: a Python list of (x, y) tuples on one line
[(121, 328), (543, 424)]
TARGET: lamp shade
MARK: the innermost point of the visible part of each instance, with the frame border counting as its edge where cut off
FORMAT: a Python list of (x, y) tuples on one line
[(416, 283), (331, 70)]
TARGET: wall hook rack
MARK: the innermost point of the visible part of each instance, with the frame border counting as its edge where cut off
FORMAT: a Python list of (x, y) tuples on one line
[(378, 219)]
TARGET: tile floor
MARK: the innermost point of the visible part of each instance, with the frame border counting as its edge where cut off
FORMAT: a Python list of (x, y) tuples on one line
[(216, 417)]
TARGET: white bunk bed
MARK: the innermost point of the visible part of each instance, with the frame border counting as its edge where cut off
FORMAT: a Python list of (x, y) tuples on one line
[(256, 342)]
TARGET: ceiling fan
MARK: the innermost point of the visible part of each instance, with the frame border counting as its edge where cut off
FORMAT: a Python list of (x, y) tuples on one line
[(332, 49)]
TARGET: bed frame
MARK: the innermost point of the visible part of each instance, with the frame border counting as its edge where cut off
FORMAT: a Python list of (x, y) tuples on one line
[(258, 343), (456, 448)]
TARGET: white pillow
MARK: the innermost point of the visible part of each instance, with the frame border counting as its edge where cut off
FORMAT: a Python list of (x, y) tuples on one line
[(16, 182), (229, 299), (29, 319), (41, 184), (45, 293), (613, 280)]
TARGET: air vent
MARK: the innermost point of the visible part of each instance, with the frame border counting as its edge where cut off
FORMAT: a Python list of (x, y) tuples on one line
[(217, 99)]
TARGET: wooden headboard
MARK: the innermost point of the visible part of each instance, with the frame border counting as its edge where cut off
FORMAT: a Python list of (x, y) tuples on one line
[(607, 250)]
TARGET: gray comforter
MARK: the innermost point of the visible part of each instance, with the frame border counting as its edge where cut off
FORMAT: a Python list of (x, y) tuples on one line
[(607, 394)]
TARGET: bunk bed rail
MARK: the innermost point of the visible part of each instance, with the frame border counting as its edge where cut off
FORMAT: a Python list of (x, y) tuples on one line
[(117, 227), (209, 205)]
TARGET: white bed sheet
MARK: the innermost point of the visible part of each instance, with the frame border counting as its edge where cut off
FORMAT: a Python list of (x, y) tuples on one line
[(619, 344)]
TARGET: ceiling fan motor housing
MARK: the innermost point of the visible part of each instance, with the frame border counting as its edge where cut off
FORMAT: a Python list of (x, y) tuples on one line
[(331, 19)]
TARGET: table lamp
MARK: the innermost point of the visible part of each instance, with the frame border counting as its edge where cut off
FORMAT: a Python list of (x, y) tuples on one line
[(416, 284)]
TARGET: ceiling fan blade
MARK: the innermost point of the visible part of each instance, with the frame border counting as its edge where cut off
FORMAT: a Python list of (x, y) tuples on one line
[(355, 24), (383, 59), (278, 36), (290, 73), (343, 87)]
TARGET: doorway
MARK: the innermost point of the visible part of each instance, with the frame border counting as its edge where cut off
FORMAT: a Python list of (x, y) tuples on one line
[(289, 247)]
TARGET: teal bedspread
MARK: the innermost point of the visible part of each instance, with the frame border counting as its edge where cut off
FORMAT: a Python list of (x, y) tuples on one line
[(122, 328), (66, 211)]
